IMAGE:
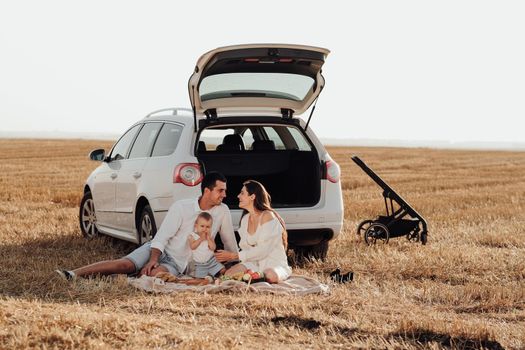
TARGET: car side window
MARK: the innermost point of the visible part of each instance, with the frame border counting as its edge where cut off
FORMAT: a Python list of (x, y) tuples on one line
[(167, 141), (212, 137), (272, 135), (300, 140), (120, 150), (247, 137), (144, 142)]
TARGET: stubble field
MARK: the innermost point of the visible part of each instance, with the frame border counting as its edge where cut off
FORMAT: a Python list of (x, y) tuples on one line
[(464, 289)]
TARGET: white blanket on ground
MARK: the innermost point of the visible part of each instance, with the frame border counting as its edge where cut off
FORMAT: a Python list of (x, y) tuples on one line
[(294, 285)]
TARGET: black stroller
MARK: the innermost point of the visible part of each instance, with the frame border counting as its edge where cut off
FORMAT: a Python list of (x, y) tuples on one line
[(401, 220)]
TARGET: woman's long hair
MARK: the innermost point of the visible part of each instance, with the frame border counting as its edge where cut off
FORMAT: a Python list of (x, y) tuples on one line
[(262, 202)]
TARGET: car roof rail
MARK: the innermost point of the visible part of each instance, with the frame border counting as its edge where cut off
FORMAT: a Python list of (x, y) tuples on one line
[(174, 111)]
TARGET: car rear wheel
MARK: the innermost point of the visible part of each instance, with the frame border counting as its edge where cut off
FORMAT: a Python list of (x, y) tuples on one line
[(303, 254), (146, 225), (87, 216)]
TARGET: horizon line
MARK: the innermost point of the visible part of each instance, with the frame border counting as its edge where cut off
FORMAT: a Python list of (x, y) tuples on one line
[(327, 141)]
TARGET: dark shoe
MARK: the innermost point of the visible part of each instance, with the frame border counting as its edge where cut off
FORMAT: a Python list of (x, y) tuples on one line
[(336, 276), (66, 275)]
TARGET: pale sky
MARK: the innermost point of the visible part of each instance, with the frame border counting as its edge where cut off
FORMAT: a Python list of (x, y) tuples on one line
[(400, 70)]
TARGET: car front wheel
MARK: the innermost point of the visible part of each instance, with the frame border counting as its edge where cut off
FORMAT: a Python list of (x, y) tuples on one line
[(87, 217)]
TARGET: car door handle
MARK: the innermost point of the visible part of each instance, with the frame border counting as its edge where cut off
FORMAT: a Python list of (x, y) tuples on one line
[(114, 176), (136, 174)]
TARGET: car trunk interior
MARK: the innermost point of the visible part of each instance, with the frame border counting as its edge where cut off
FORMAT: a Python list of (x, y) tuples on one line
[(292, 177)]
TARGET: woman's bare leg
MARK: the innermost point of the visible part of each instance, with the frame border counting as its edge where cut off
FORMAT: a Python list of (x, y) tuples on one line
[(107, 267), (271, 276)]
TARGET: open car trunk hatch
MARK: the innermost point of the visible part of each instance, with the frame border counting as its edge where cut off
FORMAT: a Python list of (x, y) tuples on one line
[(263, 77)]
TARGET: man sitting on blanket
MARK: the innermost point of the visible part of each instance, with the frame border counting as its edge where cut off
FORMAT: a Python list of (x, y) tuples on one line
[(169, 250)]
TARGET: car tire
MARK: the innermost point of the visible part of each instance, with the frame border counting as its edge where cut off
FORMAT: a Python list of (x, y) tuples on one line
[(304, 254), (146, 227), (87, 217)]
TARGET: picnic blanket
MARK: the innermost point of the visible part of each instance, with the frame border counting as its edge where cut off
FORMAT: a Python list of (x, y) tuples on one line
[(294, 285)]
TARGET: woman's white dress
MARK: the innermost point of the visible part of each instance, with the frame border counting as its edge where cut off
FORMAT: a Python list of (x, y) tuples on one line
[(264, 248)]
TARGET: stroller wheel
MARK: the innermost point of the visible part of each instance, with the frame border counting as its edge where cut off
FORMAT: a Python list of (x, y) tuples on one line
[(363, 225), (376, 232), (413, 236)]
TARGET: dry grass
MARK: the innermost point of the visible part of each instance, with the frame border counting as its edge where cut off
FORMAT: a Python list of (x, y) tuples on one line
[(465, 289)]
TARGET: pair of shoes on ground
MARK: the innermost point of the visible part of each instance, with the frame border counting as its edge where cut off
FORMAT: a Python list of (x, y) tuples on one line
[(66, 275), (339, 277)]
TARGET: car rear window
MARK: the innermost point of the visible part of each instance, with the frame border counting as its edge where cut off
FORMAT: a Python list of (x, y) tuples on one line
[(288, 86)]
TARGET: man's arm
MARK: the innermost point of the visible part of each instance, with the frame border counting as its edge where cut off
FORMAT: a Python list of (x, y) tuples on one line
[(169, 227), (152, 263), (227, 233), (223, 256)]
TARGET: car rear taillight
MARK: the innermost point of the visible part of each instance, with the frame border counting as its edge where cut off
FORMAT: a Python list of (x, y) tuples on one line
[(332, 171), (189, 174)]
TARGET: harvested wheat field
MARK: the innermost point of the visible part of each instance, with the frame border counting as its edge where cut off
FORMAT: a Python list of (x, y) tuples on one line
[(464, 289)]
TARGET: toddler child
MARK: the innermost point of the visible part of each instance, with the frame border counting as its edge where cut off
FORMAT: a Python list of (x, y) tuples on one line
[(203, 246)]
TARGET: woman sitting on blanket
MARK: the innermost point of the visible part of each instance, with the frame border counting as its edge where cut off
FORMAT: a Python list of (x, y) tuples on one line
[(263, 236)]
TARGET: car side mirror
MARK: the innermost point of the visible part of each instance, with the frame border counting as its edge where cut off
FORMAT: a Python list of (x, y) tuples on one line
[(97, 155)]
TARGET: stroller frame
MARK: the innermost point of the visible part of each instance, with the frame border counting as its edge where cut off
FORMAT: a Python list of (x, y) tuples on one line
[(401, 221)]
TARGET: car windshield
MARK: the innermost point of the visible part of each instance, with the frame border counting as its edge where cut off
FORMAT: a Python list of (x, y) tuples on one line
[(274, 85)]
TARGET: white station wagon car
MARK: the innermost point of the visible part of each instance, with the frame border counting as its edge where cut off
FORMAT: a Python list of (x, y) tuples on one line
[(244, 124)]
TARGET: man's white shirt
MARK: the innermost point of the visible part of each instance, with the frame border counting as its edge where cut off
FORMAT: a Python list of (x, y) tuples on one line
[(172, 236)]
